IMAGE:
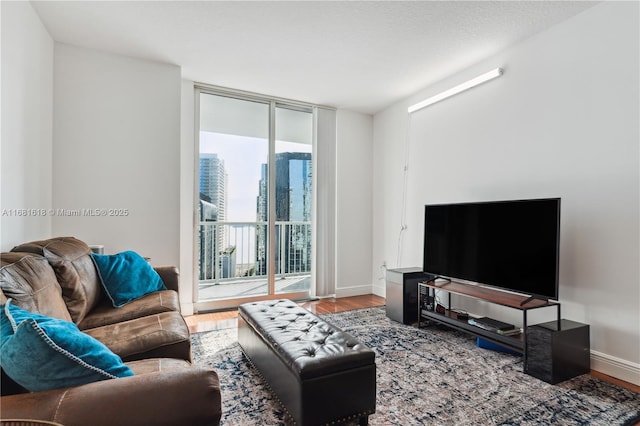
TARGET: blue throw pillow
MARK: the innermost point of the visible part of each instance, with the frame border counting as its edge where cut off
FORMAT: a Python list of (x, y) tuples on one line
[(42, 353), (126, 276)]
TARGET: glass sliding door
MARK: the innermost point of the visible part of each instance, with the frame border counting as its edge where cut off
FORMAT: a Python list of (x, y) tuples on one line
[(293, 198), (253, 233)]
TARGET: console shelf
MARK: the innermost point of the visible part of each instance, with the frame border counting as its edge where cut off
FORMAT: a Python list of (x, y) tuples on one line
[(518, 342), (492, 295)]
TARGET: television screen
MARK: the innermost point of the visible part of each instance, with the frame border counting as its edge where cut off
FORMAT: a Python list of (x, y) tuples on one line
[(513, 245)]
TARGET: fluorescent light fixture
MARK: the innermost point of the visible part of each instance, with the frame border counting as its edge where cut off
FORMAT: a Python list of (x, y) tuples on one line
[(455, 90)]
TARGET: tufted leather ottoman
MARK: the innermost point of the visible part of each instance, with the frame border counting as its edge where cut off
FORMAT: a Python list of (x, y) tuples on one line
[(319, 373)]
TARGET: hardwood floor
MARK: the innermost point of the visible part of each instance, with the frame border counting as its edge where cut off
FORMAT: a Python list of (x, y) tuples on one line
[(227, 319)]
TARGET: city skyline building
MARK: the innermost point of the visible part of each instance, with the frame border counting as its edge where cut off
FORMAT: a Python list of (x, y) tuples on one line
[(213, 197), (261, 216), (208, 212), (213, 182), (293, 202)]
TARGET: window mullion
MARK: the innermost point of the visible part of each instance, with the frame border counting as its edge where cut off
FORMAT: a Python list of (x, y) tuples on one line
[(271, 219)]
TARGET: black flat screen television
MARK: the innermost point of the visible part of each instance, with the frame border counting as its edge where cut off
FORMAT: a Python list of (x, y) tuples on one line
[(513, 245)]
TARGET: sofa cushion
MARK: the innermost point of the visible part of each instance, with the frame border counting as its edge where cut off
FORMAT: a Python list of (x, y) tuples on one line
[(42, 353), (170, 276), (29, 280), (126, 276), (164, 335), (75, 271), (154, 303)]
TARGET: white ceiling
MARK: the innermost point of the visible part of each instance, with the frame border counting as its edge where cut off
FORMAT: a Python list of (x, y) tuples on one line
[(358, 55)]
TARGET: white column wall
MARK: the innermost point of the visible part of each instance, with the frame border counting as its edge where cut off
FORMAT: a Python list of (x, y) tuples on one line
[(27, 116), (354, 203)]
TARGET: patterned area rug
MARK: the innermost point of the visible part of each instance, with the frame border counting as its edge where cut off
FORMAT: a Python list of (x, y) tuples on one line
[(431, 376)]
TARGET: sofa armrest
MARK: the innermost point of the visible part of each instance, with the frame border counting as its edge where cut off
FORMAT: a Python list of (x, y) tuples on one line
[(189, 396), (170, 276)]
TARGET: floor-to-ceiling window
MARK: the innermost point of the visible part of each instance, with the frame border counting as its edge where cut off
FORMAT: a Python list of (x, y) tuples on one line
[(254, 199)]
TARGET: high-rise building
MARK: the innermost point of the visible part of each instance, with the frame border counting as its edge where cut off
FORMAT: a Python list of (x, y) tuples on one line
[(212, 209), (293, 186), (293, 204), (261, 216), (213, 182), (208, 213)]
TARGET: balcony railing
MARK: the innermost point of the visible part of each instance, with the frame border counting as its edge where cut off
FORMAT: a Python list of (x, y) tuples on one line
[(237, 251)]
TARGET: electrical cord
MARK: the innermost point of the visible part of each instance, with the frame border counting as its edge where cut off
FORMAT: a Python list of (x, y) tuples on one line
[(405, 172)]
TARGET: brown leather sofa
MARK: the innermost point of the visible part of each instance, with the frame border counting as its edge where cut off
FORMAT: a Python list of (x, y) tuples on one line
[(58, 278)]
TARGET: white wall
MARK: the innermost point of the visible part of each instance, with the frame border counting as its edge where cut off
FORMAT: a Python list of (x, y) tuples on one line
[(354, 203), (27, 114), (116, 146), (562, 121), (389, 210)]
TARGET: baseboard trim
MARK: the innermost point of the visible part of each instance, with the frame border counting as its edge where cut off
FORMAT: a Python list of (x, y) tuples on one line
[(353, 291), (616, 367), (380, 291)]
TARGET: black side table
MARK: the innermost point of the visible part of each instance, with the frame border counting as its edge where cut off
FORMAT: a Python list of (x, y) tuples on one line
[(558, 351)]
